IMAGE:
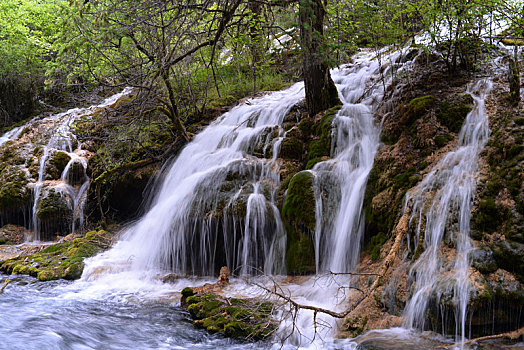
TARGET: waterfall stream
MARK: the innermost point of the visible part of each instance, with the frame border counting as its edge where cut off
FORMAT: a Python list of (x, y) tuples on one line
[(441, 206)]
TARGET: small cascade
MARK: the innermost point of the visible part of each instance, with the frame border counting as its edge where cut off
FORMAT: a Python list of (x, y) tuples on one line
[(339, 186), (61, 184), (341, 181), (441, 207)]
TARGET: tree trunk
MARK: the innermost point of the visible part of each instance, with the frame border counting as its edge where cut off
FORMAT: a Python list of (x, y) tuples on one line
[(514, 79), (173, 110), (321, 92)]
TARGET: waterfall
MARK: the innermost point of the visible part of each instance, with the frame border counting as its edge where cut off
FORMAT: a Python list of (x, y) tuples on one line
[(72, 184), (216, 204), (341, 181), (441, 205), (339, 186)]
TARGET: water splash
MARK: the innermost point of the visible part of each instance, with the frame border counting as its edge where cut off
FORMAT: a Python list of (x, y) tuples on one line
[(441, 204)]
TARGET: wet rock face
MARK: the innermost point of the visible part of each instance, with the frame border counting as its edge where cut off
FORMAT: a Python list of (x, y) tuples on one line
[(56, 165), (12, 234), (298, 213)]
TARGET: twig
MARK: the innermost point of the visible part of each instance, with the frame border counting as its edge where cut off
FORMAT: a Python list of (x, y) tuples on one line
[(6, 282)]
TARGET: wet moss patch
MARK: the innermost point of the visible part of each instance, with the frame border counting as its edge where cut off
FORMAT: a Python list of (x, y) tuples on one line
[(237, 318), (63, 260)]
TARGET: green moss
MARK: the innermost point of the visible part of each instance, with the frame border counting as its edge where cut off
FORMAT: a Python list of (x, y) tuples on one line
[(13, 192), (52, 206), (299, 205), (488, 216), (321, 147), (442, 140), (376, 244), (64, 260), (519, 121), (417, 108), (238, 318), (3, 240), (452, 113), (292, 148), (56, 165)]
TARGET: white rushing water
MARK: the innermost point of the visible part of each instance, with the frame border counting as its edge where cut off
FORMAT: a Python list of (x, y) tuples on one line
[(216, 204), (441, 205), (72, 185)]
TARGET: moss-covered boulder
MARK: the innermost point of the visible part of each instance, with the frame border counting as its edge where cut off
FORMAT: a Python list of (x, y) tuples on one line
[(319, 147), (56, 165), (298, 213), (14, 193), (452, 113), (63, 260), (237, 318), (54, 211)]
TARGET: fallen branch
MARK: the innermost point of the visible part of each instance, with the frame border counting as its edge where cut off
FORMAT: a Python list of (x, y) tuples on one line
[(510, 335), (6, 282), (399, 231)]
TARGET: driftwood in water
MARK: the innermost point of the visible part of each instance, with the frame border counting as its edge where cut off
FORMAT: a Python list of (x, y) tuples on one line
[(513, 335), (6, 282)]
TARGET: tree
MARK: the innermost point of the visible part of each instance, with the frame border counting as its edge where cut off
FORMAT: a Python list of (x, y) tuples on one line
[(138, 43), (321, 92)]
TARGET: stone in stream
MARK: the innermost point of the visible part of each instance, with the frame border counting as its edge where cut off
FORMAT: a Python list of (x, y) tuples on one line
[(233, 317)]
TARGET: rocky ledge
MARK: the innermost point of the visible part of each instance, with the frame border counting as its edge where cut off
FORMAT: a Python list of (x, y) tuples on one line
[(61, 260)]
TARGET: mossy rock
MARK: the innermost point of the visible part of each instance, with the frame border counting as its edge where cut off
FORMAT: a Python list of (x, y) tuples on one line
[(292, 148), (236, 318), (59, 261), (442, 140), (376, 244), (299, 205), (509, 255), (488, 216), (321, 132), (417, 107), (452, 113), (53, 206), (56, 165), (14, 193), (298, 213)]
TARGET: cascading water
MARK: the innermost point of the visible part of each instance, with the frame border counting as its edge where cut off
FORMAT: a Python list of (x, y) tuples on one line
[(72, 183), (339, 186), (216, 205), (441, 205)]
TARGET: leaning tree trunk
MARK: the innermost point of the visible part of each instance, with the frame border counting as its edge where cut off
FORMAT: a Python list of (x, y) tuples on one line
[(514, 78), (321, 92)]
